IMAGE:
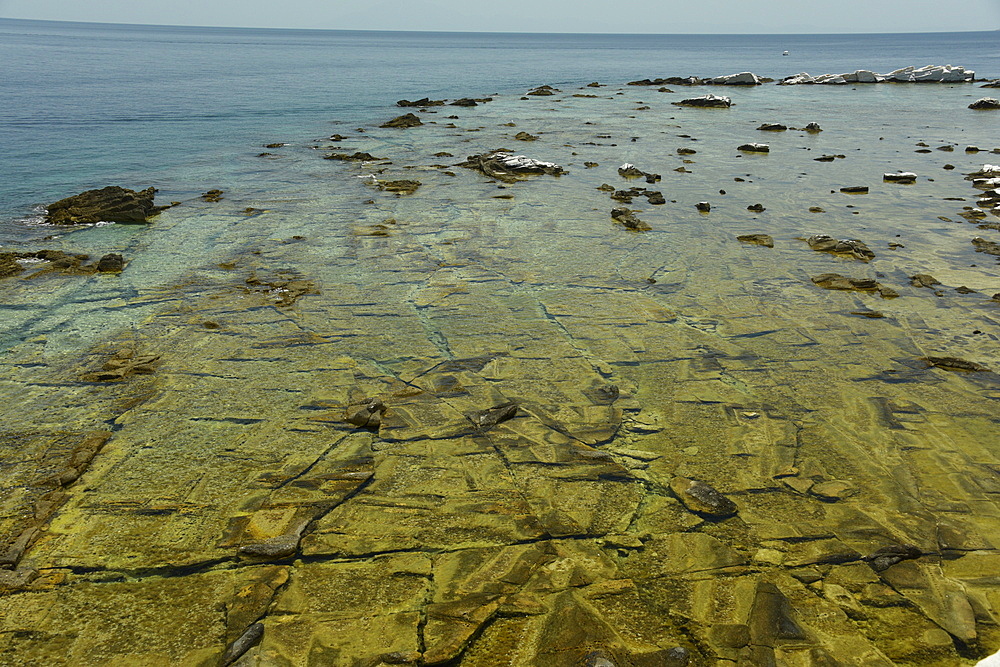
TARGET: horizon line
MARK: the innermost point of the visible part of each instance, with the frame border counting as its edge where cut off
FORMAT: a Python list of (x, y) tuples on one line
[(482, 32)]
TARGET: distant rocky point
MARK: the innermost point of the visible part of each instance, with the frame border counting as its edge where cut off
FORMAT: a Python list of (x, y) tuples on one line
[(928, 74)]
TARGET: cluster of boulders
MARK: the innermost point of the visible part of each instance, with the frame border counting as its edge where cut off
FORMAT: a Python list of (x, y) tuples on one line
[(928, 74), (427, 102), (739, 79)]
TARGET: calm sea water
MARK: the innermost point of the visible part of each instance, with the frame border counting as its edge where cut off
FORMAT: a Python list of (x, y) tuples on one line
[(86, 105)]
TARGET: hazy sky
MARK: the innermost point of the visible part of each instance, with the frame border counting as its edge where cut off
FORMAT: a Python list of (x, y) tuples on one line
[(657, 16)]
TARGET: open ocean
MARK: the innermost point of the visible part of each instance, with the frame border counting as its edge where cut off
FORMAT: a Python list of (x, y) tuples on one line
[(85, 105)]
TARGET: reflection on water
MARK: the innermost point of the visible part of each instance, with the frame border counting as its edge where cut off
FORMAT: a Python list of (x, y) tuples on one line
[(712, 458)]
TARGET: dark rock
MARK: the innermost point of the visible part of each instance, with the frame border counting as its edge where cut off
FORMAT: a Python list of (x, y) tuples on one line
[(771, 620), (465, 102), (839, 282), (757, 239), (593, 84), (855, 189), (110, 204), (709, 101), (627, 218), (353, 157), (401, 187), (656, 198), (853, 247), (924, 280), (403, 122), (886, 557), (989, 247), (366, 414), (985, 103), (955, 364), (813, 127), (686, 151), (630, 171), (507, 167), (962, 289), (755, 148), (900, 177), (702, 499), (756, 208), (244, 643), (275, 145), (423, 102), (213, 195), (524, 136), (773, 127), (703, 206), (110, 263), (484, 419), (9, 265), (443, 154), (669, 81), (543, 91)]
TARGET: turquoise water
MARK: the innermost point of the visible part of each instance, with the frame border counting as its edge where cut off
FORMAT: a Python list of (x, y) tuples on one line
[(85, 105)]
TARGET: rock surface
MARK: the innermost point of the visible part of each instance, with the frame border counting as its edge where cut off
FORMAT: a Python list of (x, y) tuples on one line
[(711, 101), (110, 204), (403, 122), (507, 167), (986, 103)]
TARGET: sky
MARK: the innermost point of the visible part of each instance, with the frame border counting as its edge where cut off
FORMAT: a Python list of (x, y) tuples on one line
[(635, 16)]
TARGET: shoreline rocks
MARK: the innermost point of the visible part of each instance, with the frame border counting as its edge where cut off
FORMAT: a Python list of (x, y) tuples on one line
[(927, 74), (852, 247), (110, 204)]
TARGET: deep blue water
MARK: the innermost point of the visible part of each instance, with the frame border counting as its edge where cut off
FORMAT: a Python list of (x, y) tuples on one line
[(86, 105)]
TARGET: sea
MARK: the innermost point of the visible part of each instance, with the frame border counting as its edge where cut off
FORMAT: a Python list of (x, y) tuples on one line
[(84, 105)]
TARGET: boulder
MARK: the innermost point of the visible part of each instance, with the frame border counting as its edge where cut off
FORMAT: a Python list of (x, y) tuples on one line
[(702, 499), (755, 148), (403, 122), (111, 263), (985, 103), (110, 204), (853, 247), (629, 220), (900, 177), (773, 127), (400, 187), (741, 79), (855, 189), (524, 136), (424, 102), (507, 167), (928, 74), (707, 101), (465, 102)]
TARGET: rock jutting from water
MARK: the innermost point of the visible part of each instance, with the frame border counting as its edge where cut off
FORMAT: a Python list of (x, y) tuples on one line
[(928, 74), (707, 101), (403, 122), (110, 204), (507, 167), (852, 247), (985, 103)]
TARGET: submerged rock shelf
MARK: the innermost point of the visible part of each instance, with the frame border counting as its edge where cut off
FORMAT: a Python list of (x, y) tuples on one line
[(482, 422)]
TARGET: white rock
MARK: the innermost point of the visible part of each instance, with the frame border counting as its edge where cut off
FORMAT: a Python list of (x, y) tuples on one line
[(991, 661), (741, 79), (932, 73), (866, 76), (797, 79), (523, 162)]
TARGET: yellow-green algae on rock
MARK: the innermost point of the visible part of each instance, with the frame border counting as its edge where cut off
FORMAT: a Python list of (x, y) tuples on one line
[(712, 461)]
